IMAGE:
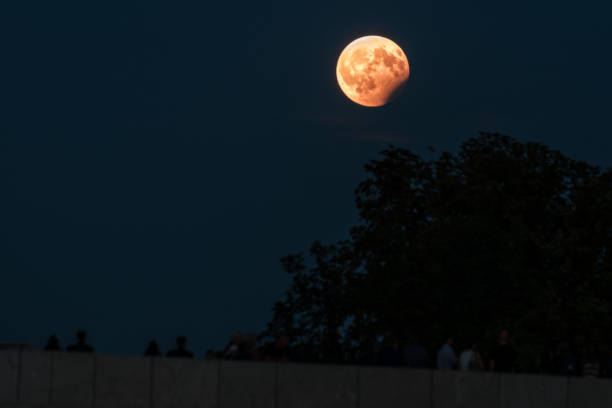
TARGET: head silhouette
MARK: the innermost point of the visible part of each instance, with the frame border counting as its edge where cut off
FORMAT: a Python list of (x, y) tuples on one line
[(81, 344), (53, 343), (181, 341), (152, 349), (181, 350), (81, 336)]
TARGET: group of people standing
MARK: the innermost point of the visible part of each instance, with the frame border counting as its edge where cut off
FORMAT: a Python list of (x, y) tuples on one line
[(239, 348), (559, 359), (152, 350), (81, 345), (501, 358)]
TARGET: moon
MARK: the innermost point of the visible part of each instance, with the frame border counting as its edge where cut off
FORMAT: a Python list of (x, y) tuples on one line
[(372, 70)]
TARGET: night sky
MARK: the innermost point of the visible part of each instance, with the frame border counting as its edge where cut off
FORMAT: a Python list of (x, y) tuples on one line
[(157, 159)]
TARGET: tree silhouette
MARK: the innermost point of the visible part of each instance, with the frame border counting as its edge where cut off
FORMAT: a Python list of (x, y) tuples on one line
[(502, 234)]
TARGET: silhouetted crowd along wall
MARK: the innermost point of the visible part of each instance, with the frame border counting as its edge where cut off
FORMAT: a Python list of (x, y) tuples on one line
[(66, 380), (557, 359)]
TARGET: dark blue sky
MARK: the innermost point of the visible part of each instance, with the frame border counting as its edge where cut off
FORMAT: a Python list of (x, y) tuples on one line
[(157, 159)]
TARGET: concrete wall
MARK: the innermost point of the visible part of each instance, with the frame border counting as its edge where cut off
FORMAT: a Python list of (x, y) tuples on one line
[(62, 380)]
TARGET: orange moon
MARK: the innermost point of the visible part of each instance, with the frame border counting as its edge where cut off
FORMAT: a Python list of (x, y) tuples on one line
[(372, 70)]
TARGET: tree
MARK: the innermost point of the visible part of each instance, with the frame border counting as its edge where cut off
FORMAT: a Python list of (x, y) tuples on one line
[(315, 307), (502, 234)]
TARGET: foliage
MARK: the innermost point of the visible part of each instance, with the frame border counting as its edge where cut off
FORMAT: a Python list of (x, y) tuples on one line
[(502, 234)]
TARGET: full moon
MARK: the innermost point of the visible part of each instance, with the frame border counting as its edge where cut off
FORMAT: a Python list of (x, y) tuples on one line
[(372, 70)]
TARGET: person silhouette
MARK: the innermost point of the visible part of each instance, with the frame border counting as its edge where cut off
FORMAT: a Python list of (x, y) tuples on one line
[(279, 350), (502, 357), (237, 349), (152, 350), (414, 355), (447, 359), (53, 344), (181, 350), (81, 344)]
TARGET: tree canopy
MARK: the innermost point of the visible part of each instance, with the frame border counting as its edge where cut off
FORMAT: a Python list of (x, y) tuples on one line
[(502, 234)]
